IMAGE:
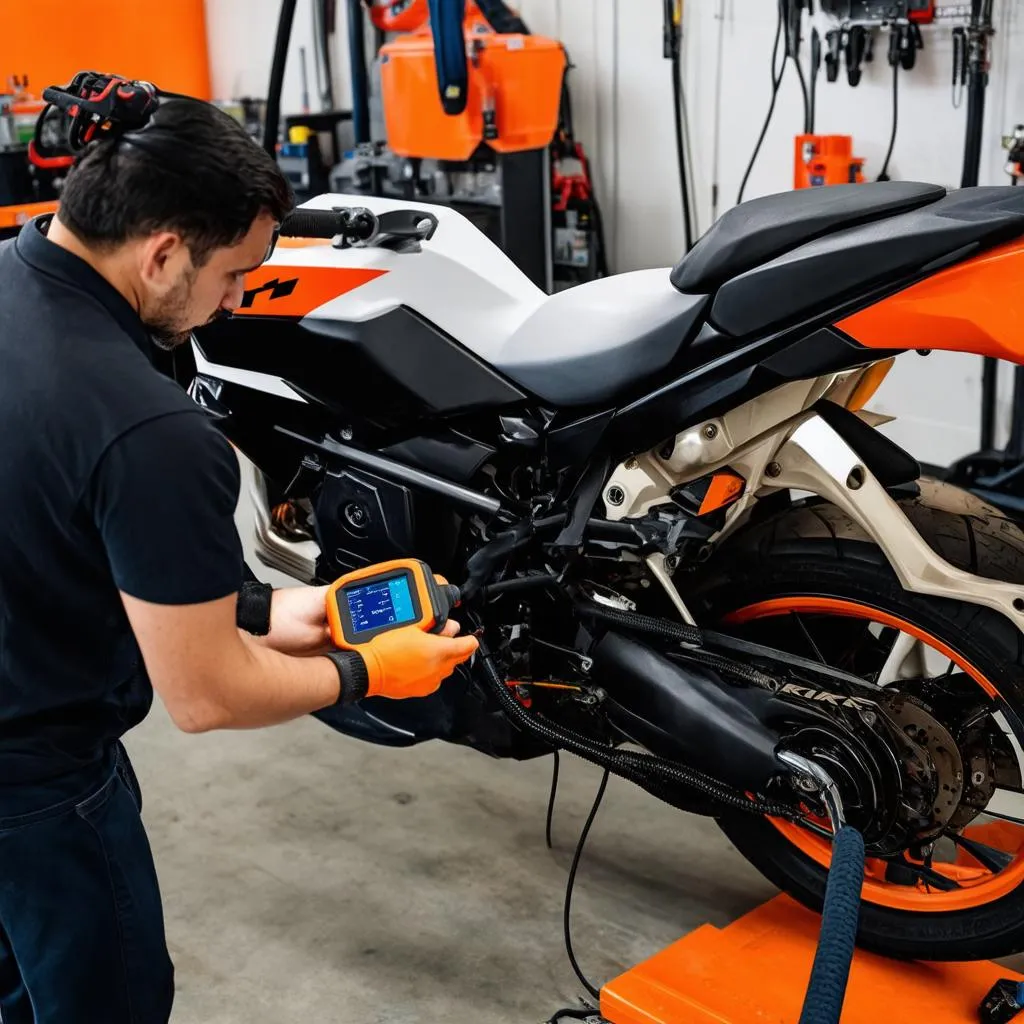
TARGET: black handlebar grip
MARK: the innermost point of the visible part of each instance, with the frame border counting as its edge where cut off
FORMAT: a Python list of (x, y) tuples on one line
[(314, 224)]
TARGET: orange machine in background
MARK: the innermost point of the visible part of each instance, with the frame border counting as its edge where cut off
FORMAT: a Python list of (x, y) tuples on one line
[(163, 43), (515, 85), (44, 44), (826, 160)]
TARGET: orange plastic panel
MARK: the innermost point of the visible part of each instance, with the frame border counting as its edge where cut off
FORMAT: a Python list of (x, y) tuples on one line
[(274, 290), (725, 488), (975, 306), (15, 216), (756, 970), (522, 75), (163, 43)]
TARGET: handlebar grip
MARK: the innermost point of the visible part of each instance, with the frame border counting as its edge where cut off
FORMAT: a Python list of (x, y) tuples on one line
[(355, 223), (314, 224)]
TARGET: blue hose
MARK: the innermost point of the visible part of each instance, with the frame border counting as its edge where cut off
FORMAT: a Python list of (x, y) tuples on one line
[(831, 971), (450, 53)]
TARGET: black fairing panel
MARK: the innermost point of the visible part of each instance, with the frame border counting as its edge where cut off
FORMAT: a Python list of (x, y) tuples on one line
[(389, 371), (423, 360), (840, 267), (748, 371), (762, 229)]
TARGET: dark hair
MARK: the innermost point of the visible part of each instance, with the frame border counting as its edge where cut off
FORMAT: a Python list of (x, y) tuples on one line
[(192, 169)]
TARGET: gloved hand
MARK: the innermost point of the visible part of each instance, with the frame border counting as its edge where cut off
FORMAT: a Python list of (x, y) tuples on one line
[(411, 663)]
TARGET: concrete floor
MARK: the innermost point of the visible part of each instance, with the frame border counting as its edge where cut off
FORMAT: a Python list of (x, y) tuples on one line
[(310, 877)]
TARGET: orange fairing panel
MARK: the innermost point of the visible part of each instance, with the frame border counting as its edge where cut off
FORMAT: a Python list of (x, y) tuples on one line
[(274, 290), (975, 306)]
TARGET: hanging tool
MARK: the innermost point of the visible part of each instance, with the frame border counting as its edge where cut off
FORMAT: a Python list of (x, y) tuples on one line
[(833, 42), (856, 39), (959, 65), (904, 42), (815, 71)]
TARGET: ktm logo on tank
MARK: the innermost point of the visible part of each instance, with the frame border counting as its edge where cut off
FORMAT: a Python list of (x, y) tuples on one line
[(835, 699), (278, 290)]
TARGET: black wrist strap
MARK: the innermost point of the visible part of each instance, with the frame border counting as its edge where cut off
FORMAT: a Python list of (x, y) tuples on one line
[(253, 613), (355, 680)]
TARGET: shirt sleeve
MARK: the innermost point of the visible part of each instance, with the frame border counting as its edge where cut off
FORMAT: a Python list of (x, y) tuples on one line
[(163, 498)]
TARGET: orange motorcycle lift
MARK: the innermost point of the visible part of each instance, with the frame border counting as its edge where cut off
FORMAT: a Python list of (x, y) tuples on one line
[(755, 971)]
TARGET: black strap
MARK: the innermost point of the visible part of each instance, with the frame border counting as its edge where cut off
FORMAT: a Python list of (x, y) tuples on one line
[(253, 612), (355, 680)]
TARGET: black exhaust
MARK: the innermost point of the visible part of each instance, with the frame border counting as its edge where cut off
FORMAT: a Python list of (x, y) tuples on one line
[(688, 713)]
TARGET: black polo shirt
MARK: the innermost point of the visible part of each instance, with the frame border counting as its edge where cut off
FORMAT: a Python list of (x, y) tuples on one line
[(111, 479)]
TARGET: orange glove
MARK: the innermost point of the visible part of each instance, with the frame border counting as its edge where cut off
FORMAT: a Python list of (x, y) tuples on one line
[(410, 663)]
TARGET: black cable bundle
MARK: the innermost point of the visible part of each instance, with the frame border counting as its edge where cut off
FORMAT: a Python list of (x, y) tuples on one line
[(883, 174), (673, 50), (787, 32)]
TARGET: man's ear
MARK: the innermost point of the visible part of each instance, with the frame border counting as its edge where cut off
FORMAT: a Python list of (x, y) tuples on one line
[(162, 259)]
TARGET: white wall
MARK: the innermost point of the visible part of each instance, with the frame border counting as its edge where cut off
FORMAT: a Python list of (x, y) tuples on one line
[(240, 35), (622, 95)]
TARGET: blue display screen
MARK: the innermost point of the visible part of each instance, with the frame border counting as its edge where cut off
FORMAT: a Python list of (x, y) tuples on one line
[(381, 603)]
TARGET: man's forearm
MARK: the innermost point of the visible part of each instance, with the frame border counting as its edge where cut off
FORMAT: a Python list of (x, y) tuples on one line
[(260, 687)]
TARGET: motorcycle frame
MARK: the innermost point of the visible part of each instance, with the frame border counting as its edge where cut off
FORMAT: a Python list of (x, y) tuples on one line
[(777, 442)]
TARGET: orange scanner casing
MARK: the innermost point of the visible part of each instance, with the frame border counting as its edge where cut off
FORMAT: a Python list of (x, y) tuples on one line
[(423, 605)]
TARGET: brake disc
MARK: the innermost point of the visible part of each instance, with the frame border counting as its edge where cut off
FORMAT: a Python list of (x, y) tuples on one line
[(931, 762)]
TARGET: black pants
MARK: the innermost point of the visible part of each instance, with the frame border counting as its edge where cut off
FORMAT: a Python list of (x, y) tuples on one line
[(81, 926)]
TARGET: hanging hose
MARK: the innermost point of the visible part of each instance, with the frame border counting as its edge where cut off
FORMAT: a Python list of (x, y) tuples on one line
[(273, 115), (672, 33)]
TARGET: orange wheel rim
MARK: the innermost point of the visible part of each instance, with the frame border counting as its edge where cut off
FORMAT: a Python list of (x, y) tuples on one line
[(979, 885)]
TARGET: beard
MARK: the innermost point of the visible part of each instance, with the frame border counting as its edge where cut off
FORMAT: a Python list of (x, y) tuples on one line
[(168, 323)]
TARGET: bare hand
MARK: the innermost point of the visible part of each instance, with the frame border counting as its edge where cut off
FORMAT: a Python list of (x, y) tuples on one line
[(298, 622)]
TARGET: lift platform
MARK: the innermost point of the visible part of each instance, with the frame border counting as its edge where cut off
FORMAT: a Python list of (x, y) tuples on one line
[(755, 971)]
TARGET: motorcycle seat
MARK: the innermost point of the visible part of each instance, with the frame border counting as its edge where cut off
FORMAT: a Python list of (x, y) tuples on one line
[(763, 229), (592, 342), (841, 267)]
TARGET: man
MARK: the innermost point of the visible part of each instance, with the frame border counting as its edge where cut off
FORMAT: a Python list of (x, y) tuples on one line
[(120, 566)]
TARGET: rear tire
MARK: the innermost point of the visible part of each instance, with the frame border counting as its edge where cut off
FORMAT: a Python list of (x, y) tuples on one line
[(817, 550)]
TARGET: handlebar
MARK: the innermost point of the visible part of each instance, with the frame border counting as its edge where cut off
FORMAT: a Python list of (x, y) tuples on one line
[(354, 225)]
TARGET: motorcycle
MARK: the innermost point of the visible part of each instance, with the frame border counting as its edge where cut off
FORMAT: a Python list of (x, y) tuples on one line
[(689, 553)]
